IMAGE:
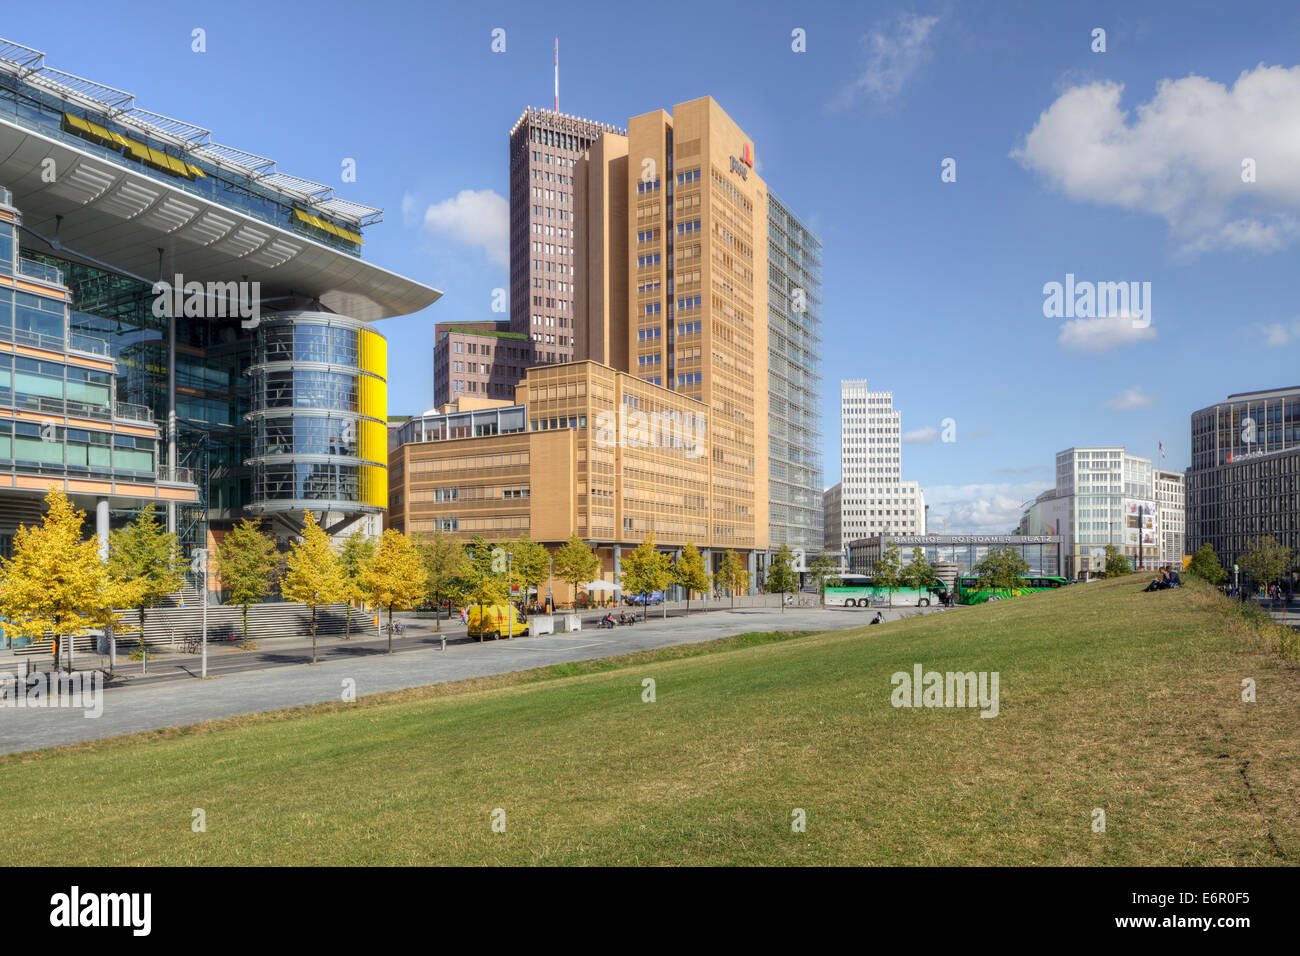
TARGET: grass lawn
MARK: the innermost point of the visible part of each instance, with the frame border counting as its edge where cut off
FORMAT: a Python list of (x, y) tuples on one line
[(1110, 699)]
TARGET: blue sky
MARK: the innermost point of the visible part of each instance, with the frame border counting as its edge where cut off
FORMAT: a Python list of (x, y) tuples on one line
[(1123, 165)]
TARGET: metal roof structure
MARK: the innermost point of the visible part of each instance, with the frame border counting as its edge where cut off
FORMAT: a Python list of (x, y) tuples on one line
[(28, 65)]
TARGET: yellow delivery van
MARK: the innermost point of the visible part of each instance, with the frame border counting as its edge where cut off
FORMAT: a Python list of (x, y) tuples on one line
[(493, 620)]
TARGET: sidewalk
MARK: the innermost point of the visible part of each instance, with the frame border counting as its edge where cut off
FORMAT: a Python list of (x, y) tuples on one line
[(274, 676), (169, 657)]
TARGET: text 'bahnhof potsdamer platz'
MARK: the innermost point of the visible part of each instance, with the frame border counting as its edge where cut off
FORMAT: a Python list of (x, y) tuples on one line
[(660, 424)]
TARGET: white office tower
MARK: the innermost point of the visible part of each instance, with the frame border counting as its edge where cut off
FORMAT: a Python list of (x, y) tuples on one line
[(874, 498), (1170, 502)]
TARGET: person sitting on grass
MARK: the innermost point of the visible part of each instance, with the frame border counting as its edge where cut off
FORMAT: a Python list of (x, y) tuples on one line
[(878, 619)]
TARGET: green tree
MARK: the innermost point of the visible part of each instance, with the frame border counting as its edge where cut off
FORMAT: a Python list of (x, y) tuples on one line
[(780, 577), (357, 549), (1116, 564), (888, 570), (733, 575), (1267, 559), (444, 560), (645, 570), (55, 583), (576, 563), (690, 573), (248, 564), (1205, 565), (1001, 568), (529, 565), (145, 553), (919, 574), (312, 573), (394, 578)]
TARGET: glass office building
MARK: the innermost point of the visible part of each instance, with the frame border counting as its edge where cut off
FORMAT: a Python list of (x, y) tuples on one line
[(794, 375), (229, 300), (61, 423), (1244, 480), (1041, 552)]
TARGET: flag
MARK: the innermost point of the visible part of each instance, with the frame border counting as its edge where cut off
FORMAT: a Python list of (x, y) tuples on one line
[(1162, 450)]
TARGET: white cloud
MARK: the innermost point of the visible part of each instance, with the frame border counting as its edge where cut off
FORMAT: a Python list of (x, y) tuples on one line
[(1279, 334), (1103, 334), (922, 436), (1181, 156), (892, 55), (479, 218), (992, 508), (1133, 398)]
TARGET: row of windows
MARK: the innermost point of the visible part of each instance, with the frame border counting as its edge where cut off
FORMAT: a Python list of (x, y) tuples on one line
[(309, 482), (75, 450), (303, 342)]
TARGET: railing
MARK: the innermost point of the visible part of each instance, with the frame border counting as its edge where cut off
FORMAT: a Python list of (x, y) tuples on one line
[(59, 406), (80, 342), (183, 476), (39, 270), (139, 413), (76, 341)]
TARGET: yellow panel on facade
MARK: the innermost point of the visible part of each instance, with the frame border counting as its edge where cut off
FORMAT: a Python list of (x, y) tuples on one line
[(374, 353), (374, 398), (374, 485), (374, 441)]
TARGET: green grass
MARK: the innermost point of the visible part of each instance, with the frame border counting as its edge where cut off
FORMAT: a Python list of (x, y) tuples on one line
[(1110, 699)]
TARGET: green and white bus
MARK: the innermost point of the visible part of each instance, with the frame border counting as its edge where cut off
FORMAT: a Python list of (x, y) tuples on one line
[(968, 590), (858, 590)]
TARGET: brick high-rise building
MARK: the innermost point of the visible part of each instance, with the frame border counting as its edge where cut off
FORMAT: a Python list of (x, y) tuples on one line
[(544, 146), (672, 224)]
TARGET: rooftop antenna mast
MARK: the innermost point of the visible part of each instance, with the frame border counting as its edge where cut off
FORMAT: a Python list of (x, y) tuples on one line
[(557, 74)]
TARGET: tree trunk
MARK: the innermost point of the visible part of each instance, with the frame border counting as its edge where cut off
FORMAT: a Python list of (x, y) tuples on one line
[(313, 633), (390, 629)]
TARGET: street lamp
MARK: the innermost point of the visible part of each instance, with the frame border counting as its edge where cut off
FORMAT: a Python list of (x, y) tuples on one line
[(199, 563)]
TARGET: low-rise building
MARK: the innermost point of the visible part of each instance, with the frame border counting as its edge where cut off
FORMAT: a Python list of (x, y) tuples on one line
[(478, 359), (1041, 552), (584, 449)]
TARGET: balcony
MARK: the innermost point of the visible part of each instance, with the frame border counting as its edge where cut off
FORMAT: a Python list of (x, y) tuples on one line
[(39, 270)]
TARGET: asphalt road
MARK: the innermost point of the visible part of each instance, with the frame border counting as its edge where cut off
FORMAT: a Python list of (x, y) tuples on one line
[(279, 673)]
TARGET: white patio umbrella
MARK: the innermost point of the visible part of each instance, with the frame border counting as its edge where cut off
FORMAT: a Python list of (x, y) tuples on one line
[(601, 586)]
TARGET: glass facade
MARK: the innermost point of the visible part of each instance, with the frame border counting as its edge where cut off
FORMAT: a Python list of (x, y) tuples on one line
[(42, 111), (319, 414), (59, 413), (1244, 480), (794, 267), (1041, 552)]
